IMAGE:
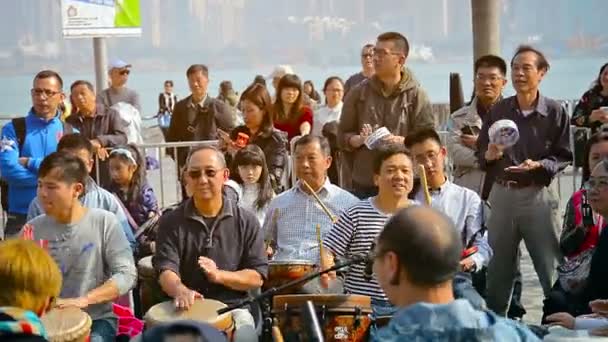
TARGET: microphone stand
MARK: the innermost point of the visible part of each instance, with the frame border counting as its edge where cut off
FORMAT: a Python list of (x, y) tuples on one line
[(274, 290)]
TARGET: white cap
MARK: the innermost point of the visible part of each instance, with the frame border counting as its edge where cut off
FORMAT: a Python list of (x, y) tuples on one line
[(118, 64), (280, 71)]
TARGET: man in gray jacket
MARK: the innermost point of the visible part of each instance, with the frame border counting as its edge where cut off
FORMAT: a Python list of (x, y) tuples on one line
[(392, 98), (465, 123)]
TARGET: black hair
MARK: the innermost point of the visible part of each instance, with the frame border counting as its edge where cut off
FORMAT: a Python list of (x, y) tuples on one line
[(169, 83), (491, 61), (139, 176), (82, 82), (48, 74), (541, 60), (310, 139), (597, 84), (385, 152), (401, 42), (288, 81), (226, 86), (194, 68), (594, 139), (331, 79), (426, 242), (72, 168), (259, 79), (253, 155), (422, 136), (74, 142), (259, 96)]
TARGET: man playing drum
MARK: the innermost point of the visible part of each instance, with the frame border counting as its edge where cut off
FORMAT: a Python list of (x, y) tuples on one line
[(88, 244), (359, 225), (209, 247), (293, 216)]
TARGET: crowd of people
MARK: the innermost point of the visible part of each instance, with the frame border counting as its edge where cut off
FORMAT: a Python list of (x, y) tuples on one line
[(371, 178)]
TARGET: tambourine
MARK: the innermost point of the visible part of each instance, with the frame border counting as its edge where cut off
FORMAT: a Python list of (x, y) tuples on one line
[(504, 132)]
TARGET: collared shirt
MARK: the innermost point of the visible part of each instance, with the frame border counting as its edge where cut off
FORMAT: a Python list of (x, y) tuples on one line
[(455, 321), (200, 103), (544, 136), (94, 197), (234, 241), (293, 226), (464, 207)]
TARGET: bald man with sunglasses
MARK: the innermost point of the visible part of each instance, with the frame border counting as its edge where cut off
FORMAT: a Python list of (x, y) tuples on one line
[(209, 247)]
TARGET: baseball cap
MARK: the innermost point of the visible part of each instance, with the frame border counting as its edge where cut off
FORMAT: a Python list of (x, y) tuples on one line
[(280, 71), (118, 64)]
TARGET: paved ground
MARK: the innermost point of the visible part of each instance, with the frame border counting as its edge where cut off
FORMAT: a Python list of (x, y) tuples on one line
[(532, 293)]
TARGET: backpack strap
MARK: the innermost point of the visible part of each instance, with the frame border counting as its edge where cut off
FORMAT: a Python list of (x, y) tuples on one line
[(20, 130)]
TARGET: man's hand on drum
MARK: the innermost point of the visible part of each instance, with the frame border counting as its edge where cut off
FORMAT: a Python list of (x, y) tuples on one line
[(80, 302), (185, 297), (327, 262), (214, 274)]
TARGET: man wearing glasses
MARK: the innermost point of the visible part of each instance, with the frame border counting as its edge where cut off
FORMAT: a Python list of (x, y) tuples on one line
[(118, 72), (209, 247), (367, 71), (524, 204), (392, 99), (26, 141)]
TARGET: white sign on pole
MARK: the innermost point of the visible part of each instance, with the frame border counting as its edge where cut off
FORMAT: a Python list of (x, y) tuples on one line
[(100, 18)]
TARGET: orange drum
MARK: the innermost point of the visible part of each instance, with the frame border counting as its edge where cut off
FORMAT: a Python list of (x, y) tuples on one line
[(342, 317), (203, 310), (281, 272), (67, 325)]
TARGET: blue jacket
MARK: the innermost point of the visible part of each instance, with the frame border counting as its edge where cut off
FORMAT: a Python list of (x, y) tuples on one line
[(456, 321), (41, 138)]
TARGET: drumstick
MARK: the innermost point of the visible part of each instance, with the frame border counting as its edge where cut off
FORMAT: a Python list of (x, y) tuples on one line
[(424, 184), (320, 242), (273, 226), (327, 211), (276, 332)]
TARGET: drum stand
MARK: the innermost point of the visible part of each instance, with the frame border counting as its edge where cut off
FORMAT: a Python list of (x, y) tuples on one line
[(264, 298)]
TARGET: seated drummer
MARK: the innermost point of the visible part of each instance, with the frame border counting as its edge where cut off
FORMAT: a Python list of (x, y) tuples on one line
[(88, 244), (359, 226), (30, 283), (209, 247), (460, 204), (292, 217)]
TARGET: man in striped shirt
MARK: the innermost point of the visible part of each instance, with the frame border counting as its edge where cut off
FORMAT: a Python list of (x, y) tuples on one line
[(358, 227)]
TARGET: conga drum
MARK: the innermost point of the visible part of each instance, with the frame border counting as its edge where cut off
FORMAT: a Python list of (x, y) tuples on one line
[(67, 325), (150, 292), (203, 310), (283, 271), (341, 317)]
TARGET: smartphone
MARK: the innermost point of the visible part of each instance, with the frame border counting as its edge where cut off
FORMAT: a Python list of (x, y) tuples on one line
[(470, 130)]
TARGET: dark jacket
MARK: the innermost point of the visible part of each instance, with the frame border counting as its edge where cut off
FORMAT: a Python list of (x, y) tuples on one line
[(193, 122), (405, 110), (166, 105), (273, 144), (106, 126), (591, 100)]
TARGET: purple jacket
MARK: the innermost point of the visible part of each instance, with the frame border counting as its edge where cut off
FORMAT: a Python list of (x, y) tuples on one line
[(141, 208)]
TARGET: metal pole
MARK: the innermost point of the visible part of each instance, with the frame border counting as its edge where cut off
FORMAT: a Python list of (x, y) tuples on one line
[(486, 27), (100, 53)]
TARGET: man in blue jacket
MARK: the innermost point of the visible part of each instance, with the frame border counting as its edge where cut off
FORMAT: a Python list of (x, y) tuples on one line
[(20, 156)]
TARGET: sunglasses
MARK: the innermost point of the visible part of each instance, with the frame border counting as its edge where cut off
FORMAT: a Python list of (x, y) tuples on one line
[(196, 174), (124, 72)]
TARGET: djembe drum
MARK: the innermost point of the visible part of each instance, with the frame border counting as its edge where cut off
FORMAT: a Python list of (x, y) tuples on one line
[(67, 325)]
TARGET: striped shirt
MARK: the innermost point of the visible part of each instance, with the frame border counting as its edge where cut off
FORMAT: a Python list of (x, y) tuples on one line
[(354, 233)]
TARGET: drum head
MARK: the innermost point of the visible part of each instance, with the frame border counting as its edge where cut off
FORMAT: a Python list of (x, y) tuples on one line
[(203, 310), (332, 302), (67, 324), (144, 267), (290, 262)]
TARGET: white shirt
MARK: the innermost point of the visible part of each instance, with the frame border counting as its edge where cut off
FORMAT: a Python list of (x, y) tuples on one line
[(464, 207), (324, 115), (248, 200)]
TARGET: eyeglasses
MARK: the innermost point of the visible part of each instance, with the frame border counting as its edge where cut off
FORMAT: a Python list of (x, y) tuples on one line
[(124, 72), (196, 174), (383, 53), (432, 156), (367, 55), (597, 183), (491, 78), (46, 92)]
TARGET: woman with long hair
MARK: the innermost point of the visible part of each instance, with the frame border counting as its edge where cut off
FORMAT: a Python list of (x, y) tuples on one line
[(313, 94), (589, 112), (259, 130), (250, 172), (290, 114)]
